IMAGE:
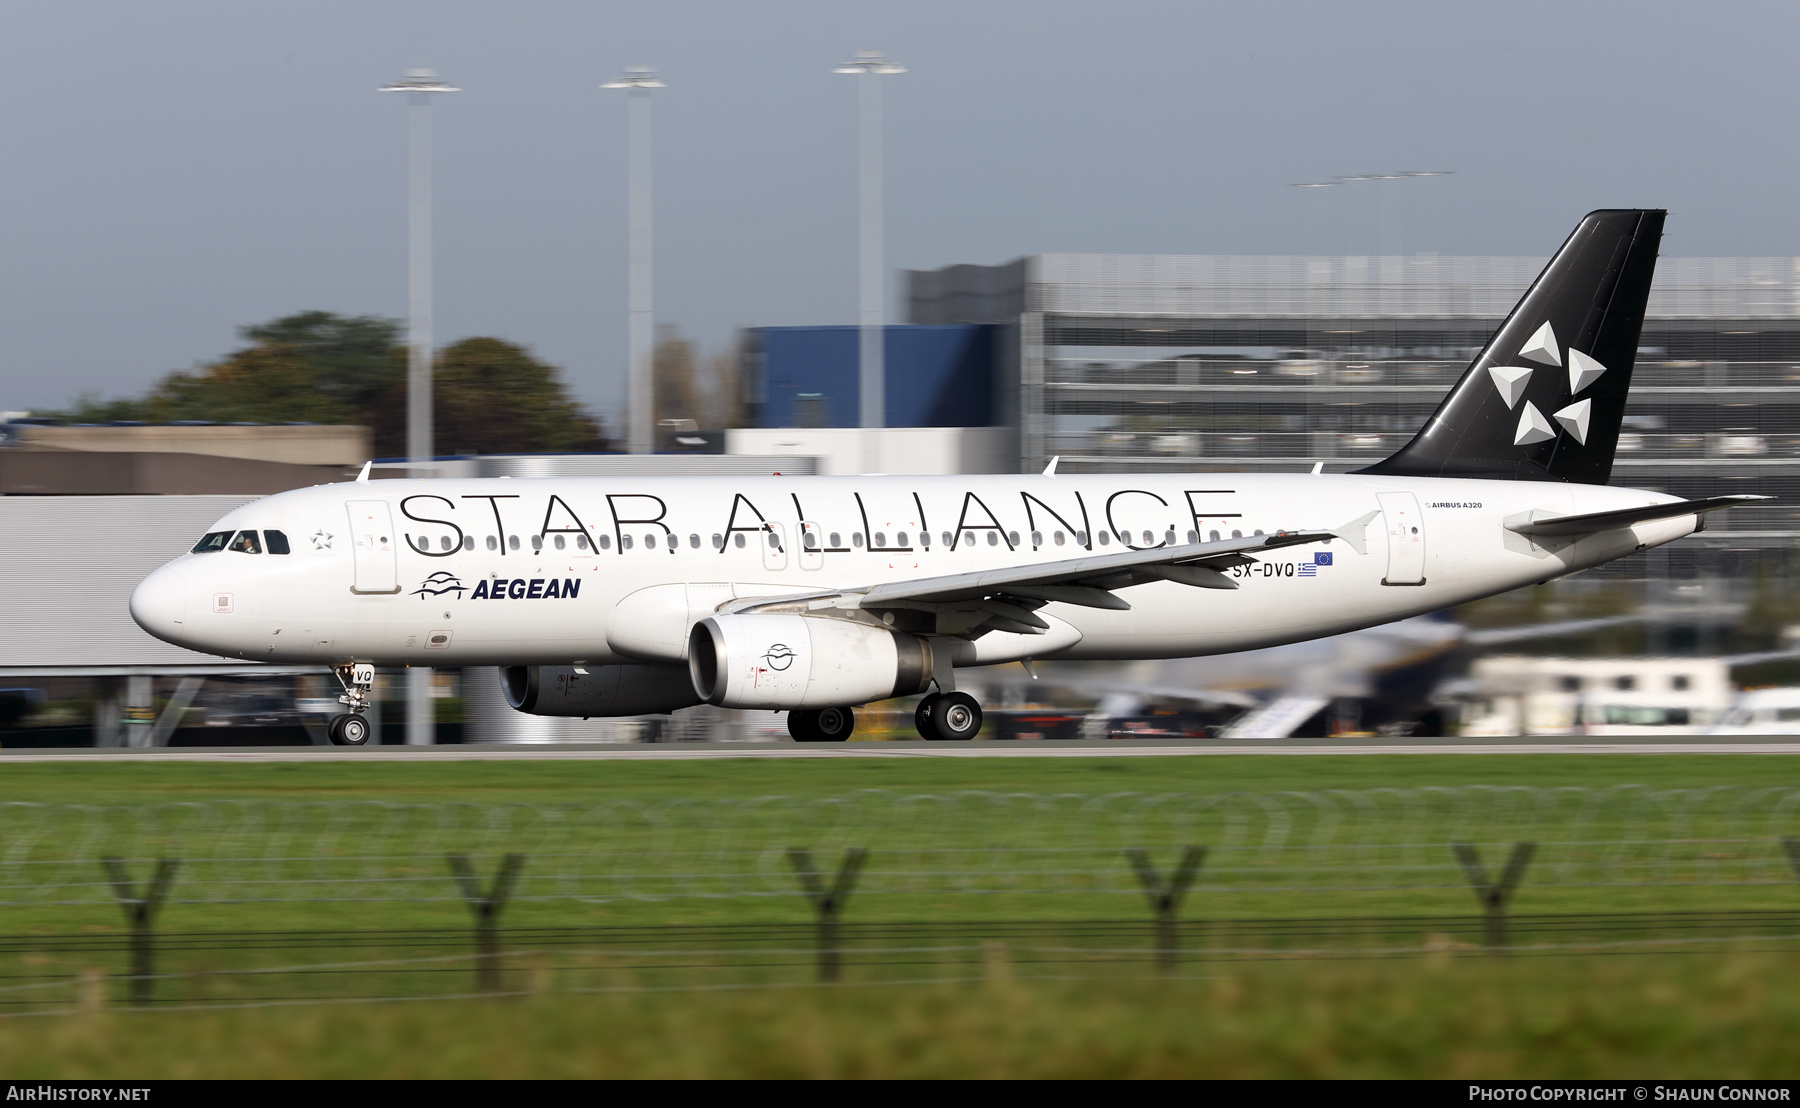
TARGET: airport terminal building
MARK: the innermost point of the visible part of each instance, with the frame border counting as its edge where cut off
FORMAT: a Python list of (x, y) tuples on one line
[(1259, 363)]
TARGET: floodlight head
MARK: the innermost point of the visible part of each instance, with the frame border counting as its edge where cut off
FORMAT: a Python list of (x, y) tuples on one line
[(419, 80), (870, 62), (636, 77)]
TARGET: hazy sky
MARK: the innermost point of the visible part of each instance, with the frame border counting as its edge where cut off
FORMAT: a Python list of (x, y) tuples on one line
[(172, 171)]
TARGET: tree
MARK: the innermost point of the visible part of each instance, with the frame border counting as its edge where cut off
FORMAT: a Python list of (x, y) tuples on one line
[(708, 394), (672, 377), (493, 397), (354, 359)]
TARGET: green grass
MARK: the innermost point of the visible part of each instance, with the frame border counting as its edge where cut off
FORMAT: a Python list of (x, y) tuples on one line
[(1718, 1016), (556, 782), (698, 822)]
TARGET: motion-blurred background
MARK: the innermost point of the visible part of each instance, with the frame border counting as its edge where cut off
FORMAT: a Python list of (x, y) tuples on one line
[(1177, 237)]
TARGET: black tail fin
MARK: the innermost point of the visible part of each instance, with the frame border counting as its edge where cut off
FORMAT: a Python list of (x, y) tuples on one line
[(1544, 399)]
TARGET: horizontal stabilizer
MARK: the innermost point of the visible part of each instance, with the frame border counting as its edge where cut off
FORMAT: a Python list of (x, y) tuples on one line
[(1595, 522)]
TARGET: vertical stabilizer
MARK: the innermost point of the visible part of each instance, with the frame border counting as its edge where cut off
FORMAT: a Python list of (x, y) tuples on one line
[(1544, 400)]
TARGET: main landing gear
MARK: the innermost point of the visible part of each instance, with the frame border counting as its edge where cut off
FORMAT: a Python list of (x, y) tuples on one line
[(950, 716), (821, 725), (352, 728)]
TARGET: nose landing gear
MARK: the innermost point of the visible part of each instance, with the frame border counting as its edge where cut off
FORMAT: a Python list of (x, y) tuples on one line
[(351, 728)]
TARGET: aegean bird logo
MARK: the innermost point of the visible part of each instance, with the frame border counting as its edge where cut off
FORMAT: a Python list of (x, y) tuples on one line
[(440, 583), (1511, 380), (779, 657)]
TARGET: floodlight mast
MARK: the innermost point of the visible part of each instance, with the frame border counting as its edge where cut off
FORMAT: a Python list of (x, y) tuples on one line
[(640, 341), (419, 85), (872, 373)]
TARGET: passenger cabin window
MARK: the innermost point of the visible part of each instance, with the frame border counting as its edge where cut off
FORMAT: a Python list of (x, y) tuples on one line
[(561, 542), (693, 542), (246, 543), (512, 541), (1679, 682), (493, 543), (581, 542), (468, 542), (537, 542), (278, 544), (212, 542), (606, 542), (737, 540), (881, 538)]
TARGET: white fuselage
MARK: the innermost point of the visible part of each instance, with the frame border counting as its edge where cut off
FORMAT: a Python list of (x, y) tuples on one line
[(530, 571)]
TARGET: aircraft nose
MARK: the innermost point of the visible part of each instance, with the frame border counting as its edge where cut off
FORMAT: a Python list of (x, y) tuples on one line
[(159, 604)]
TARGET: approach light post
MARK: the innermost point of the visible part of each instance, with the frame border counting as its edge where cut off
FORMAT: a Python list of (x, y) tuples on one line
[(871, 65), (419, 86), (640, 338)]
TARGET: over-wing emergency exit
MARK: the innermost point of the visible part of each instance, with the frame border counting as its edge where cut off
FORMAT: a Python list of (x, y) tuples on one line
[(814, 595)]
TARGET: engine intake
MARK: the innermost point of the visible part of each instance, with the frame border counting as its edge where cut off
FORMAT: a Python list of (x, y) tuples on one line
[(601, 691), (791, 661)]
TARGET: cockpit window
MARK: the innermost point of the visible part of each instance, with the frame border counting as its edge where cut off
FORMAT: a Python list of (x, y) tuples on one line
[(214, 541), (246, 543), (277, 542)]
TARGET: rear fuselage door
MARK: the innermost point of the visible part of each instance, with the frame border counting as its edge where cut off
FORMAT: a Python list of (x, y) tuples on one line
[(1405, 538), (372, 542)]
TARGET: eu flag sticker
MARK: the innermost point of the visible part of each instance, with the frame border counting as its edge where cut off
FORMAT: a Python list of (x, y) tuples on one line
[(1319, 558)]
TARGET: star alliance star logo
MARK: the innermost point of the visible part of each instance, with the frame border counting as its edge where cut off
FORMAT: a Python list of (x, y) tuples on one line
[(1510, 381), (321, 539)]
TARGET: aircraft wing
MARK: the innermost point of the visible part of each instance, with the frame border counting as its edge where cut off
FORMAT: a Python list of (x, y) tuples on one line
[(1006, 599), (1089, 581), (1595, 522)]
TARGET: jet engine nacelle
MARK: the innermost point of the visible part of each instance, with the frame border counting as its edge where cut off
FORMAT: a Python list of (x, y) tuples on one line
[(601, 691), (792, 661)]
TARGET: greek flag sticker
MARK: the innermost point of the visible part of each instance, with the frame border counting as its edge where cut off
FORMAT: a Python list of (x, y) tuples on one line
[(1319, 558)]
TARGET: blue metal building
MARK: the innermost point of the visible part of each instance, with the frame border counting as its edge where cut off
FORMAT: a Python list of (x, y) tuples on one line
[(939, 375)]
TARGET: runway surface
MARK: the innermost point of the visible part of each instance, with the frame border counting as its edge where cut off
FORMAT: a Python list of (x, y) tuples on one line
[(1134, 748)]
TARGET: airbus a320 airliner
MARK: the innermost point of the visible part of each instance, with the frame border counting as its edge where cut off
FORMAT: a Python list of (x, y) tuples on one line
[(813, 595)]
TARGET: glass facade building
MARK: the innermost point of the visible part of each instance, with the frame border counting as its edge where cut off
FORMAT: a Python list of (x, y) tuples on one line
[(1213, 363)]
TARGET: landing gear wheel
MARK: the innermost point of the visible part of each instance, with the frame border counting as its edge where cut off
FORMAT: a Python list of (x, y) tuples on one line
[(349, 729), (956, 716), (922, 716), (821, 725)]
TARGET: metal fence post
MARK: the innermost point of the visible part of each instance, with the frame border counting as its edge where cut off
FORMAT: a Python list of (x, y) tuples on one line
[(1494, 895), (1792, 845), (486, 908), (1165, 899), (140, 912), (828, 904)]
